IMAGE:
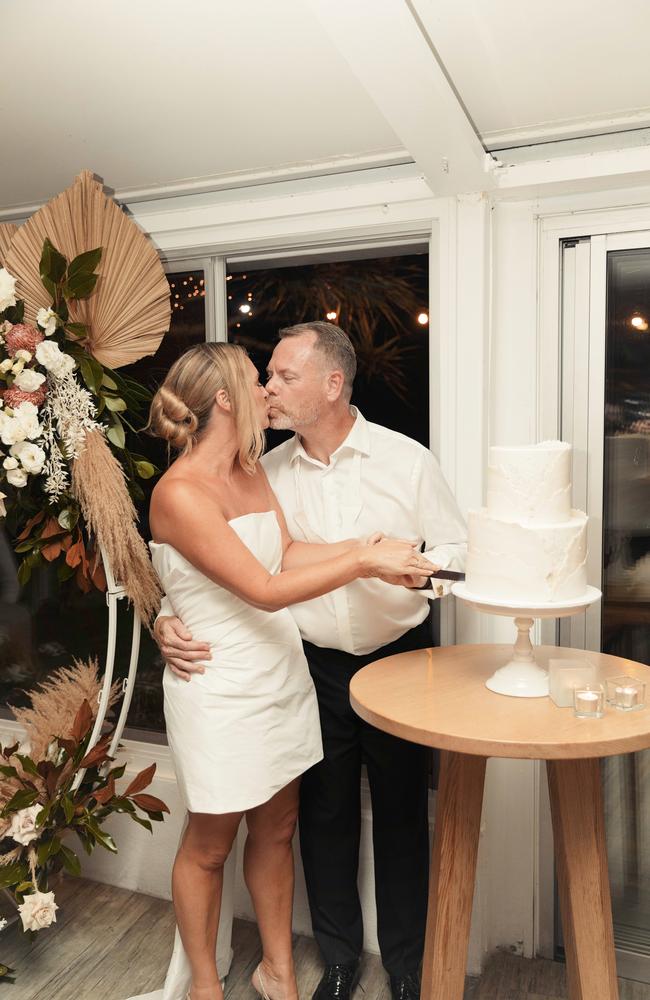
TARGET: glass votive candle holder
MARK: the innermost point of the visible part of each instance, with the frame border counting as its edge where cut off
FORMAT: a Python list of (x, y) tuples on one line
[(626, 693), (564, 676), (589, 701)]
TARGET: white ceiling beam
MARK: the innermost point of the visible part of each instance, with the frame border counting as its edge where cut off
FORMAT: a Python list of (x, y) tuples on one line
[(388, 48), (570, 174)]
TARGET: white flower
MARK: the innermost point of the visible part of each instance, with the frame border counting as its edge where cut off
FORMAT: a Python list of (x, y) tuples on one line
[(47, 319), (11, 430), (50, 355), (17, 367), (10, 463), (3, 923), (17, 477), (38, 911), (23, 355), (29, 380), (6, 365), (23, 825), (3, 510), (27, 416), (31, 456), (7, 290)]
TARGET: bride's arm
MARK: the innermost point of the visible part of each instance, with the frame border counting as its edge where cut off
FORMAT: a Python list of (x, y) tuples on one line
[(191, 521)]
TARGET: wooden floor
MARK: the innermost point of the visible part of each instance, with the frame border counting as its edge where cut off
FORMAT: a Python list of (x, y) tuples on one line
[(109, 944)]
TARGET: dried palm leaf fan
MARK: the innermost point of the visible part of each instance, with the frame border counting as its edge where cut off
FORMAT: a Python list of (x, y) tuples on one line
[(7, 232), (129, 311)]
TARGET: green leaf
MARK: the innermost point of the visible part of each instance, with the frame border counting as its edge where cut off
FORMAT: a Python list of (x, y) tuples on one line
[(68, 808), (64, 572), (43, 816), (76, 330), (48, 849), (85, 263), (145, 469), (71, 862), (109, 382), (49, 286), (28, 765), (21, 800), (15, 314), (8, 772), (143, 822), (53, 263), (13, 874), (68, 518), (80, 286), (27, 565), (115, 403), (91, 372), (115, 433)]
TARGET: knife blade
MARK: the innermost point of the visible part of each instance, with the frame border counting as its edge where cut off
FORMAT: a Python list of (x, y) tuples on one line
[(447, 574)]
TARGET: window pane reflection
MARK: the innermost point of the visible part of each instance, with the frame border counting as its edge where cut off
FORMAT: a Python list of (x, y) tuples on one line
[(626, 576)]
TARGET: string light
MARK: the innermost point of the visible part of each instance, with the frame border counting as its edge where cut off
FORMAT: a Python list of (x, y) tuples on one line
[(332, 315), (423, 318), (639, 323), (245, 308)]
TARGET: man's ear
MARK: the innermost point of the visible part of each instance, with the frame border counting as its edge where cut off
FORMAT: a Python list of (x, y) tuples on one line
[(222, 400), (335, 383)]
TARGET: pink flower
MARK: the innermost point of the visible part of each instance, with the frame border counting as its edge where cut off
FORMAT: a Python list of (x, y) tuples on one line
[(24, 337), (13, 397)]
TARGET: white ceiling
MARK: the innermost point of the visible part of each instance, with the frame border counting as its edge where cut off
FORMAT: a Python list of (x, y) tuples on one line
[(527, 70), (152, 93)]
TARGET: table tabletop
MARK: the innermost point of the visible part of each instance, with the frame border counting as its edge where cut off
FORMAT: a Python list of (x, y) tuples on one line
[(437, 697)]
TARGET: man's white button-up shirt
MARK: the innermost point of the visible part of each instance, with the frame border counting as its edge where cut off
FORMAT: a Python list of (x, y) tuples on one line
[(377, 480)]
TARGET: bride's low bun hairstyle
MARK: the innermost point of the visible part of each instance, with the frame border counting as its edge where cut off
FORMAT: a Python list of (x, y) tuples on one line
[(172, 420), (182, 406)]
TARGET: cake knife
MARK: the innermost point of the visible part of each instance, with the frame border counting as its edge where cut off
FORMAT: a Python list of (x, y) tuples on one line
[(447, 574)]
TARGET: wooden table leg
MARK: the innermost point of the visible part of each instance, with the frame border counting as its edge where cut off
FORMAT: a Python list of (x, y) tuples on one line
[(453, 869), (580, 851)]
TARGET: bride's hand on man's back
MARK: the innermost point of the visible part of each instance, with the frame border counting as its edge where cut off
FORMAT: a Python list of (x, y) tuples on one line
[(183, 655)]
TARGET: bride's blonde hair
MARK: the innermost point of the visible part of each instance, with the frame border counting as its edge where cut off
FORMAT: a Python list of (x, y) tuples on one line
[(181, 408)]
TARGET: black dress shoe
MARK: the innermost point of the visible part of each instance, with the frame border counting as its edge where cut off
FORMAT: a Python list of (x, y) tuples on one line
[(337, 982), (405, 987)]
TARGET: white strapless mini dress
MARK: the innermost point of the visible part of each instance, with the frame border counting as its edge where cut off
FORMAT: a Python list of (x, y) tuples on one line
[(249, 725)]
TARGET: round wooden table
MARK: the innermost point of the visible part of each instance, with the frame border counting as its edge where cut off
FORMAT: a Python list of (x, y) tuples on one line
[(437, 697)]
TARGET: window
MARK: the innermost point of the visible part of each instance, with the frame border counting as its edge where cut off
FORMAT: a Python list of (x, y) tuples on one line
[(380, 297)]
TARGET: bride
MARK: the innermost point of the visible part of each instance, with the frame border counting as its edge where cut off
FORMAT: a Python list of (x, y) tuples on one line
[(243, 731)]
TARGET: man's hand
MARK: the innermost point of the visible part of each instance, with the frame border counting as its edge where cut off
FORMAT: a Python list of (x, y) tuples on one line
[(183, 655)]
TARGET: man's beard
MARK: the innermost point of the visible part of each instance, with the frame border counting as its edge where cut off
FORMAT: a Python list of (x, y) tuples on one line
[(280, 420)]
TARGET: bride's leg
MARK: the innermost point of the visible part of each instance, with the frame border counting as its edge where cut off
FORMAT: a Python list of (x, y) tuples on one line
[(197, 881), (268, 870)]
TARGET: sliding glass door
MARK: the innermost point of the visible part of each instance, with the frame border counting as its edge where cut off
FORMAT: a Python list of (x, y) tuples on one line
[(606, 415)]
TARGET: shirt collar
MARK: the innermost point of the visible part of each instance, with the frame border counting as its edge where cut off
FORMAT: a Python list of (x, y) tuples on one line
[(358, 440)]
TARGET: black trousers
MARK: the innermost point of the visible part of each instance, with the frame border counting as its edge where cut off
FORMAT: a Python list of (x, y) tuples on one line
[(330, 820)]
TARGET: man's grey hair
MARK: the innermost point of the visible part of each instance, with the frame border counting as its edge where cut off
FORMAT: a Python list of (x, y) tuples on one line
[(334, 343)]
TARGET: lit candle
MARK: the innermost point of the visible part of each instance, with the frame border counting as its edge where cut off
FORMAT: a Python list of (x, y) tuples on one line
[(627, 697), (626, 693), (589, 702)]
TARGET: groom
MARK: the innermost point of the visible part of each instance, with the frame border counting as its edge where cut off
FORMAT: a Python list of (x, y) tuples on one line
[(340, 477)]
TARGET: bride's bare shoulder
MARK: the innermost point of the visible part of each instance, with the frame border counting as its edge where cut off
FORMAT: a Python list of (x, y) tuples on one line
[(177, 489)]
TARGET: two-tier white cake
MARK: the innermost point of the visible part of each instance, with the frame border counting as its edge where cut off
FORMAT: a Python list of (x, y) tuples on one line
[(528, 546)]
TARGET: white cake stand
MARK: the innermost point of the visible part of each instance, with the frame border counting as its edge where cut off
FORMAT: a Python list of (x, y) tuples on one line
[(522, 676)]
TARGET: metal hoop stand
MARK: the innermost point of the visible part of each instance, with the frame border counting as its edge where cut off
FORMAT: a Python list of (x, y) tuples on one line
[(114, 593)]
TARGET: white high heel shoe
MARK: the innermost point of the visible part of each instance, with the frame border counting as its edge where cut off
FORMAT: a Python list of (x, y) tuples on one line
[(262, 989)]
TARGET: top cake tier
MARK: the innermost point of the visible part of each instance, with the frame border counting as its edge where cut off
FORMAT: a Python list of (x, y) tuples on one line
[(531, 483)]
